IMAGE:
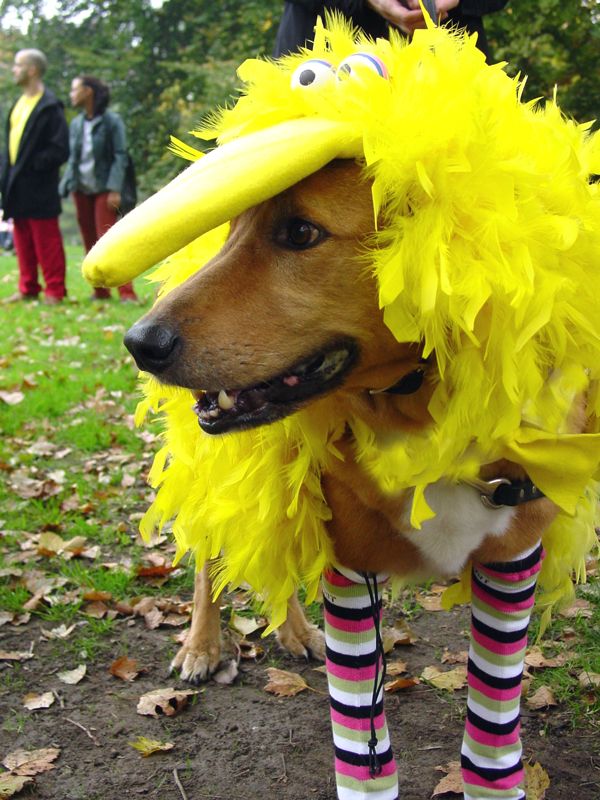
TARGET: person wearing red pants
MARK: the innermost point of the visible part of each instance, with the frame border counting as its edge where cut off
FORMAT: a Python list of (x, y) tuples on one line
[(95, 171), (37, 143)]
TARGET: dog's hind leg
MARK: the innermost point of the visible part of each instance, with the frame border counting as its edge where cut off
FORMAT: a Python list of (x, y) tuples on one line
[(502, 599), (200, 655), (364, 763), (299, 636)]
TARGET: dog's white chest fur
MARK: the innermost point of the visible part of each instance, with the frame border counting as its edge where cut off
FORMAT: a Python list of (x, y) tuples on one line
[(460, 525)]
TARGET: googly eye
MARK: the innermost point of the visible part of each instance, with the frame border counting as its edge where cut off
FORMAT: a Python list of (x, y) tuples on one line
[(361, 62), (312, 73)]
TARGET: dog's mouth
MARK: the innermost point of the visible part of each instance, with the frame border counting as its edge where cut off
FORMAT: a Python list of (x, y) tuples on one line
[(263, 403)]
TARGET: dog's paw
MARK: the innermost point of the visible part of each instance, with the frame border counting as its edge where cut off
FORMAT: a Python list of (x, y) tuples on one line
[(196, 663), (305, 641)]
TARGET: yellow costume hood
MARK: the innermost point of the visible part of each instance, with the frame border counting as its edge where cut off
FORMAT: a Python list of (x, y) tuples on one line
[(487, 254)]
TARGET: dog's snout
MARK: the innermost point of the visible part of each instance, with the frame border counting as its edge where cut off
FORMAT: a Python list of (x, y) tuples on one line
[(154, 346)]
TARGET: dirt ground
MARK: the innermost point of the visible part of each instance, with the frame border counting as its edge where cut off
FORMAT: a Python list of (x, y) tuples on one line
[(239, 742)]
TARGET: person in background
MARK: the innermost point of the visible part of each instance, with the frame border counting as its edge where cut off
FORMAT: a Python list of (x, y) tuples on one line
[(375, 17), (37, 143), (95, 172)]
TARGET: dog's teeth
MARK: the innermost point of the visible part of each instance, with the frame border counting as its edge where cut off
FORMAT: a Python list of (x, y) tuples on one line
[(214, 412), (225, 402)]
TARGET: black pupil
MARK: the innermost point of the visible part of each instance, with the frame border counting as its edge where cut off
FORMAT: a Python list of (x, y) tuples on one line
[(307, 76), (300, 233)]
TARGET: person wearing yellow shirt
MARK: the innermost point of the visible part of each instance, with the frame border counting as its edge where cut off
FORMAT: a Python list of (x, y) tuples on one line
[(37, 143)]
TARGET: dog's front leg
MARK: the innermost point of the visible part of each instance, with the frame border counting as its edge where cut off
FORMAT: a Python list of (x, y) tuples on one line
[(200, 655), (299, 636), (364, 763), (502, 599)]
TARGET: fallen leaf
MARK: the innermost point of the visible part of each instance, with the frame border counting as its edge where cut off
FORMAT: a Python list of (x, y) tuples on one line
[(450, 681), (536, 781), (395, 668), (6, 616), (245, 625), (283, 683), (12, 398), (50, 544), (148, 746), (448, 657), (124, 668), (155, 572), (34, 701), (399, 684), (250, 650), (94, 595), (153, 619), (15, 655), (31, 762), (163, 702), (535, 659), (12, 784), (543, 698), (73, 676), (452, 782), (96, 609), (226, 674), (580, 608), (429, 602), (399, 634), (587, 680)]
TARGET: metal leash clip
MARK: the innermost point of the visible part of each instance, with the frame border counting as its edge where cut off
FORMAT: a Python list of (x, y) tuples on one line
[(488, 489)]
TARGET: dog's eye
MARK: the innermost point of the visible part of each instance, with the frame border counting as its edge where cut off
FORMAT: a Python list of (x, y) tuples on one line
[(298, 234), (358, 63), (312, 73)]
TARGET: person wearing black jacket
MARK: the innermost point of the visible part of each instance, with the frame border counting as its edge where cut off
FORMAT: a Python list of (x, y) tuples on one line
[(37, 143), (375, 17)]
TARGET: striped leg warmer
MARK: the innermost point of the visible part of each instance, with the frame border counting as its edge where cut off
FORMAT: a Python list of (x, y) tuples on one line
[(364, 764), (502, 599)]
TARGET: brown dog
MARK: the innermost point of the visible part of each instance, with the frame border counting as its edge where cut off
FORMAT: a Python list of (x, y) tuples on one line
[(287, 314)]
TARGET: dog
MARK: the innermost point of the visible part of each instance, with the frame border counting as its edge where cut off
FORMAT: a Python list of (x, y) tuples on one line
[(385, 339)]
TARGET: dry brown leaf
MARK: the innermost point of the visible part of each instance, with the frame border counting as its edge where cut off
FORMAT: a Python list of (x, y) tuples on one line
[(6, 616), (175, 620), (400, 683), (31, 762), (580, 608), (124, 668), (149, 746), (283, 683), (395, 668), (60, 632), (160, 571), (96, 609), (94, 595), (452, 782), (399, 634), (430, 602), (12, 784), (535, 658), (34, 701), (73, 676), (15, 655), (588, 680), (164, 702), (536, 781), (461, 657), (250, 650), (153, 619), (450, 681), (543, 698)]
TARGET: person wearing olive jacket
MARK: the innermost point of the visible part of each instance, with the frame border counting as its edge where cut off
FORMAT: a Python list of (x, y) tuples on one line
[(375, 17), (95, 172), (36, 144)]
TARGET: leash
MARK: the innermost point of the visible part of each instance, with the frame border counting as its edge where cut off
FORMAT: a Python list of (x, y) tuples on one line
[(378, 681)]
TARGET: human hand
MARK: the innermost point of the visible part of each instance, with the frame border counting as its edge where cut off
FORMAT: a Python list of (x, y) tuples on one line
[(407, 15), (113, 200)]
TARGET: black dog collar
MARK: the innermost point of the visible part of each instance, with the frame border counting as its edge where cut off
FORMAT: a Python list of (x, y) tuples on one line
[(501, 492)]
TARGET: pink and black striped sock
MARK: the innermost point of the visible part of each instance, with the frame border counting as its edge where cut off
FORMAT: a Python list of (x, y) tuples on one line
[(502, 599), (364, 763)]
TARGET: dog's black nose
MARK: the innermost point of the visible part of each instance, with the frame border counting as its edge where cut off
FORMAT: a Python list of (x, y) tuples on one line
[(154, 346)]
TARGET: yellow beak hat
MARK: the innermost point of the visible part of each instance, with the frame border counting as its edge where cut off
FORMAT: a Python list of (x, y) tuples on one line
[(486, 253)]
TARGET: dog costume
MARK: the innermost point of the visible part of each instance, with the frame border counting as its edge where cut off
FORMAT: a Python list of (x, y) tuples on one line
[(486, 253)]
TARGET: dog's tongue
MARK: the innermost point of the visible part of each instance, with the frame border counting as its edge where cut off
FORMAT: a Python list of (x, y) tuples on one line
[(229, 180)]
